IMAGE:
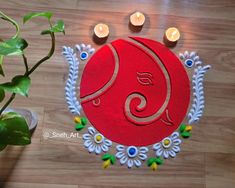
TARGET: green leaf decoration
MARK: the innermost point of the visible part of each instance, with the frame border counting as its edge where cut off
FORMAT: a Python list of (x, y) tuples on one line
[(159, 161), (2, 146), (1, 62), (106, 157), (182, 128), (84, 121), (113, 159), (79, 127), (7, 18), (14, 46), (14, 130), (32, 15), (185, 134), (19, 85), (2, 94), (45, 32), (151, 161), (57, 28)]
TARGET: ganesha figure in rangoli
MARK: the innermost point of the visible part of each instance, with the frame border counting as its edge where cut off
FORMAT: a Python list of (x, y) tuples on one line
[(135, 93)]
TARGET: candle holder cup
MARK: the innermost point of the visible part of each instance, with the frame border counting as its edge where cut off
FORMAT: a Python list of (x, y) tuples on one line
[(134, 28), (170, 44), (98, 40)]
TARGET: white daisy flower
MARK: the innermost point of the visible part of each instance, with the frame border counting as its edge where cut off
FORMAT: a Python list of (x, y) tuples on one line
[(169, 146), (190, 58), (84, 51), (131, 155), (96, 142)]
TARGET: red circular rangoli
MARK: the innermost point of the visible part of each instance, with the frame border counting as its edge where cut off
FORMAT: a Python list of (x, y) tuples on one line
[(135, 92)]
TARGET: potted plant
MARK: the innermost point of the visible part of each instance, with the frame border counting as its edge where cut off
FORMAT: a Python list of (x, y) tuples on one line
[(14, 124)]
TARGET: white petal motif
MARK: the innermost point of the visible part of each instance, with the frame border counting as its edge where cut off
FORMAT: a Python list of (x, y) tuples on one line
[(123, 160), (87, 143), (97, 149), (78, 48), (159, 152), (181, 56), (88, 47), (130, 163), (120, 148), (91, 130), (142, 156), (120, 154), (107, 142), (91, 148), (143, 149), (192, 54), (186, 54), (174, 135), (86, 136), (137, 162), (176, 149), (83, 47), (157, 146), (172, 153), (196, 58), (91, 51), (104, 148), (177, 142), (165, 154)]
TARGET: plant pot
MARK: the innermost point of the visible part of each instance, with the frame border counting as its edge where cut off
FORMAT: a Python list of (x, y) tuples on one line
[(30, 117)]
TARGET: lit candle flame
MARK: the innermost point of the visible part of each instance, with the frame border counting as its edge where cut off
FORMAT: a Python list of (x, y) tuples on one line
[(100, 28), (173, 33), (138, 15)]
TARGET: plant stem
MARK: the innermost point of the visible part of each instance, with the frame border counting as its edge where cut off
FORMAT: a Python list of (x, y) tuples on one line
[(46, 57), (8, 102), (28, 72), (25, 64)]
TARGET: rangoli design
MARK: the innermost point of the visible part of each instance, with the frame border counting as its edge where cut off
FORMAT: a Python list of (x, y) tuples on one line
[(135, 93)]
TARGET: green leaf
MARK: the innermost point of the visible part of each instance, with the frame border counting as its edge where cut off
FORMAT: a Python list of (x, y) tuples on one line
[(84, 121), (45, 32), (2, 146), (159, 161), (106, 157), (151, 161), (7, 18), (19, 85), (1, 69), (113, 159), (182, 127), (57, 28), (79, 127), (14, 46), (31, 15), (185, 134), (2, 94), (14, 130)]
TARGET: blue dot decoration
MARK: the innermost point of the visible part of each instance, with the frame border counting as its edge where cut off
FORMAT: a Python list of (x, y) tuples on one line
[(83, 55), (132, 151), (189, 63)]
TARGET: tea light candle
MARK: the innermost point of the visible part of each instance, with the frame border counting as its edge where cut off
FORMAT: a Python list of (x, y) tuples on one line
[(137, 19), (101, 30), (172, 34)]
